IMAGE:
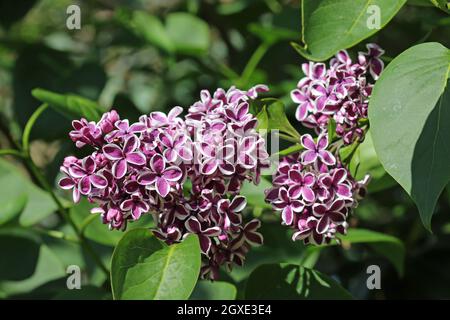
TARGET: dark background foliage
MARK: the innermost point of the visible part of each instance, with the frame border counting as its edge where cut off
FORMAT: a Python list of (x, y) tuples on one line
[(119, 60)]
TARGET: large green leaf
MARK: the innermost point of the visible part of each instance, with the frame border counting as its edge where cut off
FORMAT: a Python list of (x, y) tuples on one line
[(409, 113), (288, 281), (22, 197), (70, 105), (217, 290), (142, 267), (331, 25)]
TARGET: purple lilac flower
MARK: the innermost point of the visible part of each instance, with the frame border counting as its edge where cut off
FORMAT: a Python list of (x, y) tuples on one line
[(315, 197), (141, 168), (339, 92)]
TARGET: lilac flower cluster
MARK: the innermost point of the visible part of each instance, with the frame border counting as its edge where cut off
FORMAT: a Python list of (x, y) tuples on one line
[(340, 92), (186, 172), (314, 192)]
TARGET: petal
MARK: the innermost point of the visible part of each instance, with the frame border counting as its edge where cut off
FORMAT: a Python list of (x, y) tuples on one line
[(226, 168), (127, 205), (238, 204), (339, 175), (308, 194), (208, 167), (66, 183), (112, 152), (337, 205), (89, 165), (319, 209), (309, 179), (344, 191), (322, 141), (172, 174), (157, 163), (308, 157), (85, 185), (297, 96), (131, 144), (308, 142), (76, 171), (137, 127), (99, 181), (323, 225), (287, 215), (205, 243), (136, 158), (295, 191), (162, 187), (193, 225), (254, 238), (295, 176), (119, 169), (146, 178), (327, 157), (318, 71)]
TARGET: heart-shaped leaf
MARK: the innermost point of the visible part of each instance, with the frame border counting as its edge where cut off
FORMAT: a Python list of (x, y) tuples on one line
[(331, 25), (409, 113), (144, 268)]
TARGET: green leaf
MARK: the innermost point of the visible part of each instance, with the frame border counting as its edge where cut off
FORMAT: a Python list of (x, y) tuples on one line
[(331, 25), (217, 290), (409, 112), (390, 247), (273, 117), (70, 105), (152, 30), (22, 197), (188, 34), (20, 252), (288, 281), (142, 267), (444, 5)]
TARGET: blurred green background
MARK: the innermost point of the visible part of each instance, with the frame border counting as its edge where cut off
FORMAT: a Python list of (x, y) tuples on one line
[(138, 56)]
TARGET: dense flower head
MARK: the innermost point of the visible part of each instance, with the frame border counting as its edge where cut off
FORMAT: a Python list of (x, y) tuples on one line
[(144, 167), (314, 192), (340, 92)]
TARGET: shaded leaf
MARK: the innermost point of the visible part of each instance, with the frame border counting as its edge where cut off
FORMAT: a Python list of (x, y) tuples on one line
[(331, 25), (288, 281), (217, 290), (409, 114), (144, 268)]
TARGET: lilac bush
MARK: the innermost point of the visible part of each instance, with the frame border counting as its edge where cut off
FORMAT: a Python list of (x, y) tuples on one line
[(186, 173)]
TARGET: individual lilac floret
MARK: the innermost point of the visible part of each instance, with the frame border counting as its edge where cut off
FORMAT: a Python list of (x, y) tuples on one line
[(141, 168), (315, 197), (340, 92)]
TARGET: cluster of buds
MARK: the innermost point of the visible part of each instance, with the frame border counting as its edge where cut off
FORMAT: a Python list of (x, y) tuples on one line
[(314, 192), (340, 92), (186, 172)]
